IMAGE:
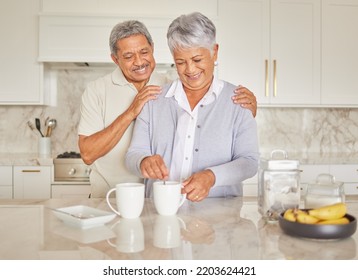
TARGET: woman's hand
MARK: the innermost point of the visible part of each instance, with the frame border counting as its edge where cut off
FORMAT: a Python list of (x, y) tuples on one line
[(198, 185), (245, 98), (153, 167)]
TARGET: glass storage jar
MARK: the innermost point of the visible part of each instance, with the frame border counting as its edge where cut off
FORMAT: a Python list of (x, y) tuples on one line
[(324, 191), (278, 185)]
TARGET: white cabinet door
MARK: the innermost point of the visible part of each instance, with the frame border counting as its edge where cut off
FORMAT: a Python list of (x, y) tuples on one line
[(65, 38), (5, 182), (250, 186), (153, 8), (73, 32), (309, 174), (20, 73), (347, 173), (32, 182), (311, 171), (340, 52), (5, 175), (273, 48), (243, 32)]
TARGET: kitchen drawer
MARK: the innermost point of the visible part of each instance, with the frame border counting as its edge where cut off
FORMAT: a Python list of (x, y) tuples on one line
[(311, 171), (345, 172), (5, 192), (5, 175), (350, 188), (32, 182)]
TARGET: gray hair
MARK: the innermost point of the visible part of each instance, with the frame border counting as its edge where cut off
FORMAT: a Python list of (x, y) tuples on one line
[(192, 30), (126, 29)]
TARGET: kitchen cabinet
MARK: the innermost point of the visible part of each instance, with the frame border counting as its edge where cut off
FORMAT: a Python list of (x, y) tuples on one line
[(340, 52), (21, 75), (309, 174), (250, 186), (73, 32), (170, 9), (65, 38), (273, 48), (347, 173), (32, 182), (5, 182), (70, 190)]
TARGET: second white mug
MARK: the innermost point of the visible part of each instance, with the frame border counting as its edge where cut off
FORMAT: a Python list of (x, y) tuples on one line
[(168, 197), (129, 198)]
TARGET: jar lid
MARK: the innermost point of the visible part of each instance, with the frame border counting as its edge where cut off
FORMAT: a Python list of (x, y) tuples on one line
[(324, 182), (282, 163)]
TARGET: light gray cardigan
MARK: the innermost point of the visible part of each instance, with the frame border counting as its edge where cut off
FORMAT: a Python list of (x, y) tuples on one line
[(225, 140)]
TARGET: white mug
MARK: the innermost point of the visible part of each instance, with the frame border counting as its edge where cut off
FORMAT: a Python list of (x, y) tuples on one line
[(129, 198), (166, 232), (130, 236), (168, 197)]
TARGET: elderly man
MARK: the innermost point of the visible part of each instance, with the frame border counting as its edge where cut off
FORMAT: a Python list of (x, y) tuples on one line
[(111, 104)]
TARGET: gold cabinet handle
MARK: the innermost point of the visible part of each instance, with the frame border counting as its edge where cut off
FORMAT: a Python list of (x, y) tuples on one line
[(274, 78), (266, 79), (30, 171)]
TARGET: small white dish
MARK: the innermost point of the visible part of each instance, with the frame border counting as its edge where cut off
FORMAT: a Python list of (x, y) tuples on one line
[(83, 217)]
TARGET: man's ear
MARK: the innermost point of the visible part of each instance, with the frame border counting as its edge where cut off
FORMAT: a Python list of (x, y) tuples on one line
[(115, 59), (152, 47)]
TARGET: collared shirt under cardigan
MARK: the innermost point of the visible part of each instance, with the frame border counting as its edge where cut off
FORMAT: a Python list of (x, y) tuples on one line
[(225, 142)]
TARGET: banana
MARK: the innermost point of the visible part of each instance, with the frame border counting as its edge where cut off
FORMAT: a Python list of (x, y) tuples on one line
[(329, 212), (290, 215), (304, 218), (340, 221)]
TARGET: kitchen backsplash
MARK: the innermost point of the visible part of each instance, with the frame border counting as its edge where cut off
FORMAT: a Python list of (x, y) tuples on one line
[(297, 130)]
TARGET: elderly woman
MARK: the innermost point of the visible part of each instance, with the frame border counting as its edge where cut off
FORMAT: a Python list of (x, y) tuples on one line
[(192, 132)]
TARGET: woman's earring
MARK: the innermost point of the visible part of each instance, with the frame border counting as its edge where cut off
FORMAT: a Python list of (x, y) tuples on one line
[(216, 63)]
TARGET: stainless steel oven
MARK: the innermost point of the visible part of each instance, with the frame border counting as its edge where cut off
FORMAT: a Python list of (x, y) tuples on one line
[(71, 176)]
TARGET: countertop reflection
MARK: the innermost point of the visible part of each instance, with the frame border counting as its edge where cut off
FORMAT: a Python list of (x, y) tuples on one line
[(216, 228)]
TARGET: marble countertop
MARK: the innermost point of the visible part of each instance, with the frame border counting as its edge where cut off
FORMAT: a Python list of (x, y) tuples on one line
[(214, 229), (304, 158), (27, 159)]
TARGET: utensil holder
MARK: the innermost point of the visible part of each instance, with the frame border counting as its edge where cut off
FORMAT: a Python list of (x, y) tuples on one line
[(44, 146)]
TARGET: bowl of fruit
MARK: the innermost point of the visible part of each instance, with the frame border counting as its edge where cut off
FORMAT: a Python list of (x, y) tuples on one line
[(326, 222)]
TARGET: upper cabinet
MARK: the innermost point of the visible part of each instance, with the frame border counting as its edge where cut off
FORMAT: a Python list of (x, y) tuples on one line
[(340, 52), (21, 75), (273, 48), (78, 31)]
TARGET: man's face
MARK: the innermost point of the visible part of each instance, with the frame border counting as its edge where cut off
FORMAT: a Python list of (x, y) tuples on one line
[(135, 58)]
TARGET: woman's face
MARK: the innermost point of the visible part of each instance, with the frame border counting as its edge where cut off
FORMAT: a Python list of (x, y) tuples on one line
[(195, 67)]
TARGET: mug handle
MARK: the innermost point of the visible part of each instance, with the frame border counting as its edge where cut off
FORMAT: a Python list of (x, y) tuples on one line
[(108, 240), (109, 203), (183, 224), (182, 200)]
